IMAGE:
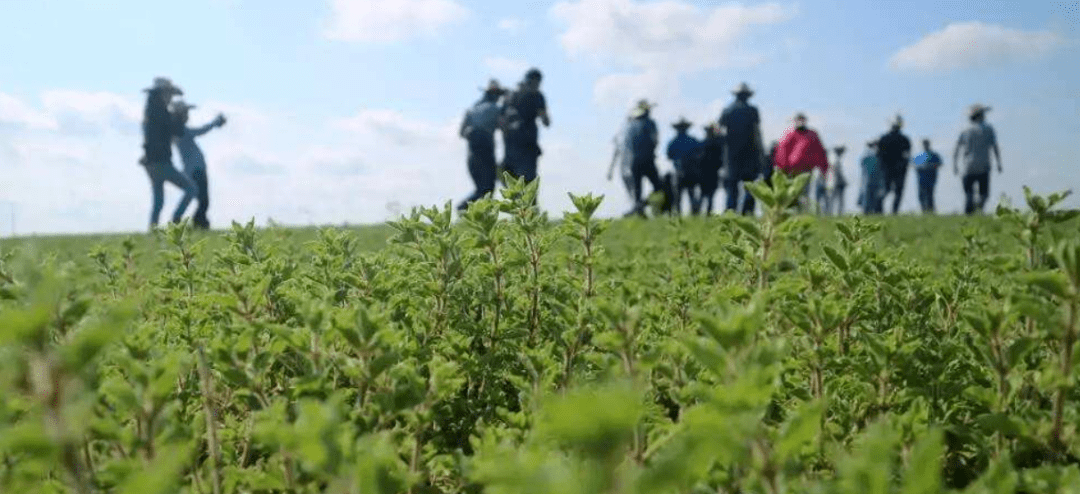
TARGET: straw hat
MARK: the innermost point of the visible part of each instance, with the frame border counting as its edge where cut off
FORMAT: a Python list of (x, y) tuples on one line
[(494, 87), (800, 116), (164, 84), (642, 107)]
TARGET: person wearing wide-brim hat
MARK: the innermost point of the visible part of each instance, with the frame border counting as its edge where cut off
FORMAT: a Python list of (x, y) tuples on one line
[(683, 153), (639, 148), (478, 129), (194, 162), (974, 146), (642, 108), (744, 158), (158, 133), (894, 151)]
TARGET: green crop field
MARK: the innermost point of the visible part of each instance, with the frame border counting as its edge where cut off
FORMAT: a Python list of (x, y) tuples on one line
[(508, 352)]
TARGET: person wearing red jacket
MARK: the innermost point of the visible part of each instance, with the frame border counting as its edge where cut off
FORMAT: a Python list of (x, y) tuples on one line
[(800, 151)]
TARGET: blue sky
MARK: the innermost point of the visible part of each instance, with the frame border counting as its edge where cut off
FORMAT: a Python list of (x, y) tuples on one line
[(345, 111)]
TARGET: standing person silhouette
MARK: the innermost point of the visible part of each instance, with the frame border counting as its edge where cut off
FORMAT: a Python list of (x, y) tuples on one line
[(799, 152), (478, 129), (158, 132), (926, 168), (744, 152), (521, 109), (974, 146), (682, 151), (637, 151), (894, 152), (194, 161)]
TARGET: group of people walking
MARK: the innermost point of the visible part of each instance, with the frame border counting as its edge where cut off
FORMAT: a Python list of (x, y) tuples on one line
[(165, 123), (886, 160), (732, 154), (514, 113)]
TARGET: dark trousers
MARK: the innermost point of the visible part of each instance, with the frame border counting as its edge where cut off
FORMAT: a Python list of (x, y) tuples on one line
[(735, 189), (198, 175), (926, 196), (481, 162), (520, 160), (645, 168), (160, 173), (973, 202), (895, 176)]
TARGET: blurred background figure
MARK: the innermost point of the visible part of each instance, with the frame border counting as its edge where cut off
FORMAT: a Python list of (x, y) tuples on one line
[(837, 183), (521, 109), (894, 153), (193, 160), (710, 161), (741, 126), (682, 151), (926, 168), (872, 193), (974, 146), (158, 131), (478, 129), (799, 152), (640, 141)]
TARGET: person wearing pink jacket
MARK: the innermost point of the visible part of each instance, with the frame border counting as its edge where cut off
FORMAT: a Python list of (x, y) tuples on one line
[(800, 151)]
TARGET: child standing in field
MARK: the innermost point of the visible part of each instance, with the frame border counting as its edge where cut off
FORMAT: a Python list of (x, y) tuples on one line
[(926, 165), (193, 159), (873, 182)]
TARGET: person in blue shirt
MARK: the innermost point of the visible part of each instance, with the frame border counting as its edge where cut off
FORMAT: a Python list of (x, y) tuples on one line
[(741, 125), (682, 151), (926, 166), (710, 159), (478, 129), (636, 151), (194, 161), (872, 196)]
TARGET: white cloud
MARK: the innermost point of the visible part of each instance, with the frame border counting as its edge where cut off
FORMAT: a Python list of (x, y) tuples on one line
[(512, 25), (621, 90), (668, 35), (73, 111), (17, 112), (383, 21), (506, 69), (974, 44)]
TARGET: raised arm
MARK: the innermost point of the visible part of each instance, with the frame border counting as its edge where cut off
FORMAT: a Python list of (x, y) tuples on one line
[(997, 152), (956, 154)]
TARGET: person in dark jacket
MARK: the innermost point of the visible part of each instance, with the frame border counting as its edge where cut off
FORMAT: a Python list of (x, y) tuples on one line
[(710, 161), (641, 141), (894, 153), (742, 135), (478, 129), (682, 151), (158, 133), (521, 109), (193, 159)]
